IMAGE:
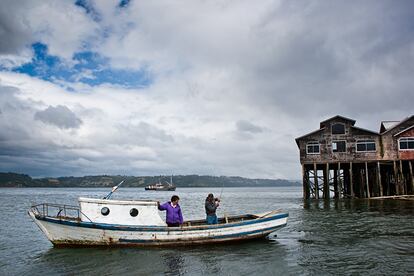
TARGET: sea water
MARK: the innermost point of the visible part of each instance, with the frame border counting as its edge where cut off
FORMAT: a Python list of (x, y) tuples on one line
[(357, 236)]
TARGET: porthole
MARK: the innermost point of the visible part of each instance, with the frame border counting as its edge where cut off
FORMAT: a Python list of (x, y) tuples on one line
[(133, 212), (105, 211)]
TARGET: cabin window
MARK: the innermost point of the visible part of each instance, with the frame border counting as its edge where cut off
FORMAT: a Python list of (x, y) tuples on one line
[(105, 211), (406, 143), (133, 212), (313, 148), (338, 146), (365, 145), (338, 129)]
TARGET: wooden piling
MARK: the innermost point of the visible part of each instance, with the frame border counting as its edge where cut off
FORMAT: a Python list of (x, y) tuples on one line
[(339, 180), (326, 182), (351, 184), (396, 182), (403, 182), (361, 183), (411, 177), (335, 182), (315, 180), (379, 178), (388, 178), (366, 179), (306, 188)]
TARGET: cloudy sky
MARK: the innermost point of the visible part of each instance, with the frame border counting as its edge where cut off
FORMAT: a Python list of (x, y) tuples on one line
[(193, 86)]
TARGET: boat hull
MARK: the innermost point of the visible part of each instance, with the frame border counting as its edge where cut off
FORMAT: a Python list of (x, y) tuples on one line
[(77, 233), (160, 189)]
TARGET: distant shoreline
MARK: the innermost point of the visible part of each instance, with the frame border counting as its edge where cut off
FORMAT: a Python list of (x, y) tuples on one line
[(95, 187), (15, 180)]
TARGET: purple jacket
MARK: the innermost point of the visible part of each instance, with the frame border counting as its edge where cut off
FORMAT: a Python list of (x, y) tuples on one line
[(174, 215)]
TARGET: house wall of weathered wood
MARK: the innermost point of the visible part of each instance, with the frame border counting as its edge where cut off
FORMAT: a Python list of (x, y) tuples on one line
[(325, 138), (406, 154), (390, 141)]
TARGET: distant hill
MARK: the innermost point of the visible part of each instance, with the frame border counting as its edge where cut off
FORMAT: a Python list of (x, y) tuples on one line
[(22, 180)]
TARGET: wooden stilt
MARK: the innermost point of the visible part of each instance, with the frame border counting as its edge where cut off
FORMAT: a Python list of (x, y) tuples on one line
[(387, 184), (345, 183), (396, 184), (326, 182), (411, 177), (315, 180), (339, 181), (379, 178), (387, 175), (361, 183), (351, 184), (366, 179), (335, 182), (403, 182), (306, 190)]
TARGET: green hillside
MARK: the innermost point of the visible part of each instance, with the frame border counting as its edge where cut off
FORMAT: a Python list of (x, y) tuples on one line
[(22, 180)]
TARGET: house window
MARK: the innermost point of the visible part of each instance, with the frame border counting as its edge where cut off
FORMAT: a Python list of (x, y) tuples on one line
[(406, 143), (338, 146), (338, 129), (313, 148), (365, 145)]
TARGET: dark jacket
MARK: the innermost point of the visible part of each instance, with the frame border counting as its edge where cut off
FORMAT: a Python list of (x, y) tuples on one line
[(211, 207)]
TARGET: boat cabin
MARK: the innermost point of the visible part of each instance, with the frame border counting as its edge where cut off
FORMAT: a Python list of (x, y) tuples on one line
[(125, 212)]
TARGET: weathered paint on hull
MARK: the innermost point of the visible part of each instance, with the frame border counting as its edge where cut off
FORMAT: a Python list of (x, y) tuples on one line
[(62, 233)]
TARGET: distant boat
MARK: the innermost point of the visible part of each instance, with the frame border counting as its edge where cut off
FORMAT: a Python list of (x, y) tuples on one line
[(166, 186)]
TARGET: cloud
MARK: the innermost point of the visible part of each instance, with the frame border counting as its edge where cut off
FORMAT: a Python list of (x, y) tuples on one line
[(60, 116), (14, 30), (222, 74), (246, 126)]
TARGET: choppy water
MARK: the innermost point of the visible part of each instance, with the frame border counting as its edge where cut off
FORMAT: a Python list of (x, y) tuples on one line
[(322, 238)]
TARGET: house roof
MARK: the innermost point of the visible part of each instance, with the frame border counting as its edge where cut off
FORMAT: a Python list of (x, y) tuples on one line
[(404, 130), (366, 130), (310, 133), (398, 124), (337, 117), (386, 125)]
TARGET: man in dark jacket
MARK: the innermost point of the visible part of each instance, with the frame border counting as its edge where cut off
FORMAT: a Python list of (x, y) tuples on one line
[(211, 207)]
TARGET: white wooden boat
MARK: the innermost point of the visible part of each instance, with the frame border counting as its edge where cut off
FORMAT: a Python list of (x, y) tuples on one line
[(108, 222)]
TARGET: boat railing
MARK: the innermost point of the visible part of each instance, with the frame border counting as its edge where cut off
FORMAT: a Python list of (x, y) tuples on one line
[(60, 211)]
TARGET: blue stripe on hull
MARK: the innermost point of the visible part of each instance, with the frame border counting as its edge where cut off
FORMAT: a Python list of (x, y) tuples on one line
[(241, 235), (117, 227)]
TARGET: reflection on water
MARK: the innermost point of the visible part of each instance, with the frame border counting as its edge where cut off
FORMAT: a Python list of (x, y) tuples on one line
[(322, 237)]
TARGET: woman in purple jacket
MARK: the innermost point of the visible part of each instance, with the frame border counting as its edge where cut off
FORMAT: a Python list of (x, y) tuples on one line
[(174, 216)]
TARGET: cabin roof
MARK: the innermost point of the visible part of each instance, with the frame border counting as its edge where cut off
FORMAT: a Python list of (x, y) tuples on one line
[(397, 124), (337, 117), (117, 202)]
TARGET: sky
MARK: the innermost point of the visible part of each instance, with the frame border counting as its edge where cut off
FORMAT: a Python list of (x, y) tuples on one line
[(193, 86)]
